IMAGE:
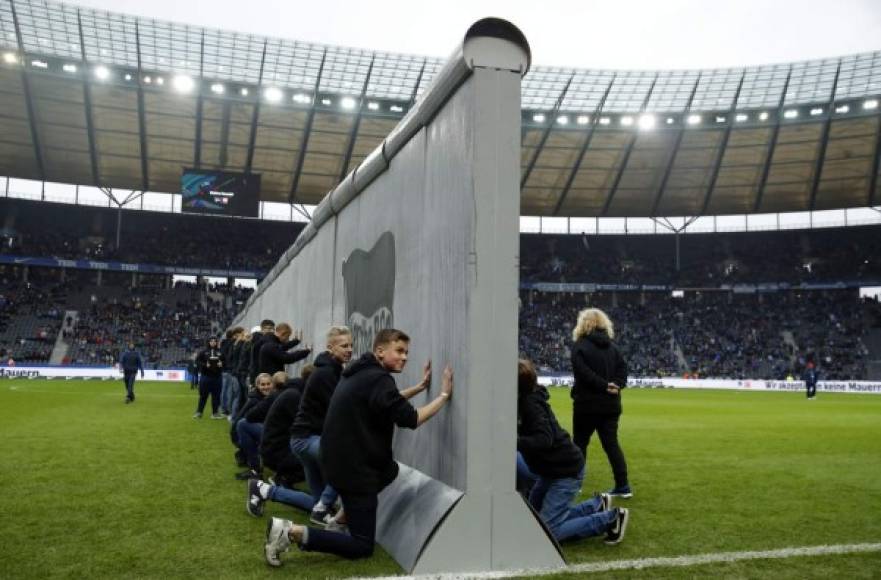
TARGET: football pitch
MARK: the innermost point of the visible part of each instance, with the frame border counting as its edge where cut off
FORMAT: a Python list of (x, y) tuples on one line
[(93, 488)]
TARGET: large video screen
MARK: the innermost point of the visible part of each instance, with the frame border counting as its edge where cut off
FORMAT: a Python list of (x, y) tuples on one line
[(220, 192)]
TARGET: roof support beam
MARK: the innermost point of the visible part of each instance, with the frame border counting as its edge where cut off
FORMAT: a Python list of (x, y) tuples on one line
[(723, 145), (353, 134), (307, 130), (87, 105), (871, 199), (28, 98), (824, 141), (223, 153), (594, 121), (627, 151), (680, 134), (255, 114), (418, 82), (197, 146), (142, 117), (772, 144), (546, 133)]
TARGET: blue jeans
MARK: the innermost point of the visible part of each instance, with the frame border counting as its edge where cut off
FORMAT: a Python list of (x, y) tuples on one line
[(225, 391), (308, 451), (525, 478), (291, 497), (249, 440), (552, 499)]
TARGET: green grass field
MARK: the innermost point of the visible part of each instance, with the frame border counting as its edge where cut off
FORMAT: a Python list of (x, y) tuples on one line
[(93, 488)]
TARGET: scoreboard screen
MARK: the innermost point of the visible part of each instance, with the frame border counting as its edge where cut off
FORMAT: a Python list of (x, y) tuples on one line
[(220, 193)]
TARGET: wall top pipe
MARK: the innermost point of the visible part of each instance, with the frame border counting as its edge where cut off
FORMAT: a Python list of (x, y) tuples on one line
[(488, 43)]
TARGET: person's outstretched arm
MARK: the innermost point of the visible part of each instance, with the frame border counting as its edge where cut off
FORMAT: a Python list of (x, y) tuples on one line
[(411, 392), (429, 410)]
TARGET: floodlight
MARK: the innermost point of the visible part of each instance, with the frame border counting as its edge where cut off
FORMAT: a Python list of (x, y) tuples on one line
[(373, 106), (563, 120), (694, 119), (218, 89), (39, 64), (348, 103), (870, 104), (816, 111), (396, 109), (160, 81), (273, 94), (243, 92), (605, 120), (10, 58), (183, 83), (721, 119), (627, 120), (646, 122), (538, 118), (69, 68), (582, 120), (102, 73), (128, 77), (842, 109), (790, 114), (148, 80), (326, 102), (763, 116), (741, 117), (670, 120), (302, 98)]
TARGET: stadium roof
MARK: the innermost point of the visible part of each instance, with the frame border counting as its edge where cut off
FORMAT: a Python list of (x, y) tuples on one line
[(113, 100)]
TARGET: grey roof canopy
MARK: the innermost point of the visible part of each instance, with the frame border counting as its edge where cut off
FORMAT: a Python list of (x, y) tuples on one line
[(102, 98)]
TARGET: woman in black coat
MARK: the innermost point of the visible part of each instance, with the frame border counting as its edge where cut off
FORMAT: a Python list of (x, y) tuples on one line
[(600, 373)]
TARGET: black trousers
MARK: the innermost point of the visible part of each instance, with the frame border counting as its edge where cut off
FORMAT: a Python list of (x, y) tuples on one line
[(811, 388), (359, 542), (209, 386), (606, 426)]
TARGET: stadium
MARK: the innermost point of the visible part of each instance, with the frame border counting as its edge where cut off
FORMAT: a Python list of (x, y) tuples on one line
[(164, 184)]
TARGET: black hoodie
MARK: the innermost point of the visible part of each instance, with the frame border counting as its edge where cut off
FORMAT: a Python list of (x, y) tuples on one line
[(275, 354), (546, 447), (596, 362), (356, 446), (316, 396), (276, 440), (210, 362)]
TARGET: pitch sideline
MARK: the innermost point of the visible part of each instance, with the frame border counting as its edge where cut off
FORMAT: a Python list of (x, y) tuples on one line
[(663, 562)]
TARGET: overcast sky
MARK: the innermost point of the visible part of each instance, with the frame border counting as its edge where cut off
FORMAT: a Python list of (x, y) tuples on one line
[(635, 34)]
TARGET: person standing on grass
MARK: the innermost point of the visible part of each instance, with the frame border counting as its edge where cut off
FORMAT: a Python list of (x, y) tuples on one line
[(811, 376), (600, 373), (356, 448), (210, 363), (130, 362), (558, 468)]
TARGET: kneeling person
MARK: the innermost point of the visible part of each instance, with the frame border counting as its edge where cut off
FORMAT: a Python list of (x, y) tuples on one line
[(356, 448)]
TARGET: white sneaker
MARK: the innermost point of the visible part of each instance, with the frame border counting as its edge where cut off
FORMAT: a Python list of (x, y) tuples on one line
[(277, 540), (335, 526)]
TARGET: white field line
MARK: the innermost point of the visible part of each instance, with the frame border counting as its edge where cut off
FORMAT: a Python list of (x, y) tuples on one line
[(670, 562)]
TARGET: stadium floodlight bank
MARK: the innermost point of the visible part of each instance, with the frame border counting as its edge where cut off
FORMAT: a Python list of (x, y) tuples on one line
[(423, 236)]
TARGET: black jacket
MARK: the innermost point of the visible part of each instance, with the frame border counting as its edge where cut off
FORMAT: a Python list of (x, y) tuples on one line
[(546, 447), (131, 361), (356, 446), (243, 367), (596, 362), (225, 345), (254, 363), (277, 426), (210, 362), (316, 396), (257, 413), (275, 354), (232, 360)]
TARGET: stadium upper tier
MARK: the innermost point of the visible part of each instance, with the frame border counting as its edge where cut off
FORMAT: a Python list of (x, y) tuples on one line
[(108, 99)]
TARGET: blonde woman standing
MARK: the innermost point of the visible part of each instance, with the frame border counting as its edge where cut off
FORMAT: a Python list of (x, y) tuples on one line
[(600, 373)]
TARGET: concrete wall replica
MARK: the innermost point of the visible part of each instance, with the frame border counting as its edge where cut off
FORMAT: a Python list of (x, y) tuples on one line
[(423, 236)]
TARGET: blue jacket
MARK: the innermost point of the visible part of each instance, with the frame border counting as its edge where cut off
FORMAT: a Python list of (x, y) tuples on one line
[(131, 361)]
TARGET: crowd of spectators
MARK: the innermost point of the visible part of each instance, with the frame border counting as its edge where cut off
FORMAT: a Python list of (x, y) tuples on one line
[(30, 317), (36, 229), (706, 260), (709, 334)]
